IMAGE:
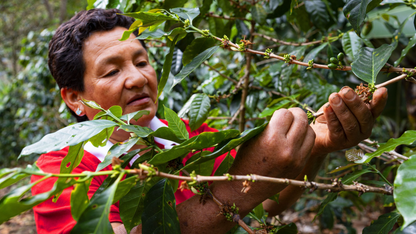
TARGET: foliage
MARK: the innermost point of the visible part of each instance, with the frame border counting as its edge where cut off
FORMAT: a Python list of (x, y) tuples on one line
[(229, 87)]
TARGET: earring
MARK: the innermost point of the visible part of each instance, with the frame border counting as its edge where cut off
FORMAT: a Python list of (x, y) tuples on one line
[(78, 112)]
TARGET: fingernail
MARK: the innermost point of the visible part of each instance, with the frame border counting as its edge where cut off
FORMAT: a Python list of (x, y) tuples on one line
[(336, 100), (349, 94)]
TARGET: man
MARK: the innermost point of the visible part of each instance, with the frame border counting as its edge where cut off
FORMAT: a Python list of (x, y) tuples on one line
[(88, 61)]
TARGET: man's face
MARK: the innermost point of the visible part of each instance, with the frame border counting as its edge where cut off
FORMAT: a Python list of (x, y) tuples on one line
[(119, 73)]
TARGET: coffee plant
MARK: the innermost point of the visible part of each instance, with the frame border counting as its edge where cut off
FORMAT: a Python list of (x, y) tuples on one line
[(231, 64)]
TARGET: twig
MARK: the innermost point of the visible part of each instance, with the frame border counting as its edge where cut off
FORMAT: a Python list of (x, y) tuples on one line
[(333, 188), (393, 153), (290, 43), (211, 14), (224, 117), (391, 81)]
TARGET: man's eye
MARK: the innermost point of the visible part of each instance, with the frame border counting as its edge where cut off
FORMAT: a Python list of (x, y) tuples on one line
[(142, 64), (112, 73)]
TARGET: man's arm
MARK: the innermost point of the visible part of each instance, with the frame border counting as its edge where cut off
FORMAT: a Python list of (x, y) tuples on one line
[(281, 150), (347, 120)]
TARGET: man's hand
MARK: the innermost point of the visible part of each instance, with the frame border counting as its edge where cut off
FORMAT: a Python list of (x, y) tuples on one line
[(282, 149), (347, 120)]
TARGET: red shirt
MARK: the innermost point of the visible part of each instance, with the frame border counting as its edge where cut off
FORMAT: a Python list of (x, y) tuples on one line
[(56, 217)]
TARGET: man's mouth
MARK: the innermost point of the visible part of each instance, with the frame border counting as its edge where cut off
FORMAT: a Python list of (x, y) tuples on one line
[(139, 99)]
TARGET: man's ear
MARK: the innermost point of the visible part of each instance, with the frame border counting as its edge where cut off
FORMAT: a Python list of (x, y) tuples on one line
[(72, 99)]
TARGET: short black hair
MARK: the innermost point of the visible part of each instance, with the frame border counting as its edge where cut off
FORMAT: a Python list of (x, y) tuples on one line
[(66, 61)]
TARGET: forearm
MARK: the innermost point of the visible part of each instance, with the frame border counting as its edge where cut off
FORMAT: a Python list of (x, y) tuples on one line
[(291, 194)]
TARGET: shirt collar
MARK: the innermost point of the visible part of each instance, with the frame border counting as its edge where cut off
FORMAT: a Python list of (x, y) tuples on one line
[(101, 152)]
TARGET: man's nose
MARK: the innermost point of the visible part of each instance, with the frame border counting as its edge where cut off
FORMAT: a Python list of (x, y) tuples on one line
[(134, 77)]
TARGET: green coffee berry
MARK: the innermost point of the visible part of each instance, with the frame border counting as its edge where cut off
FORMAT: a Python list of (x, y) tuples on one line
[(332, 66), (341, 56), (333, 60)]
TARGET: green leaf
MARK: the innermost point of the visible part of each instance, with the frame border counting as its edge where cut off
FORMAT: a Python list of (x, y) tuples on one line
[(186, 13), (94, 219), (313, 53), (198, 46), (149, 18), (280, 8), (406, 139), (135, 115), (225, 165), (259, 14), (330, 198), (204, 169), (405, 189), (68, 136), (137, 129), (199, 110), (259, 211), (15, 203), (411, 44), (383, 225), (199, 142), (117, 150), (318, 14), (167, 133), (151, 35), (351, 44), (290, 228), (275, 198), (11, 176), (72, 159), (159, 214), (196, 62), (355, 11), (176, 124), (370, 61), (350, 178), (166, 67), (132, 204), (124, 187), (80, 199), (231, 144), (172, 4)]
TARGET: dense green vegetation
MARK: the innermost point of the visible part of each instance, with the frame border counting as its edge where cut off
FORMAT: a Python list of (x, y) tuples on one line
[(211, 72)]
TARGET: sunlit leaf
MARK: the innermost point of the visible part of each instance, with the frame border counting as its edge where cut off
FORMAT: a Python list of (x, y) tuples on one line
[(14, 202), (370, 61), (116, 151), (176, 124), (201, 141), (68, 136), (405, 189), (351, 44), (186, 13), (406, 139), (199, 110), (79, 198)]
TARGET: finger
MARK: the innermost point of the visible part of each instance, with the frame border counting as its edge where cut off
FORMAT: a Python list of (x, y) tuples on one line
[(281, 121), (358, 108), (348, 121), (297, 131), (309, 141), (335, 129), (379, 101)]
